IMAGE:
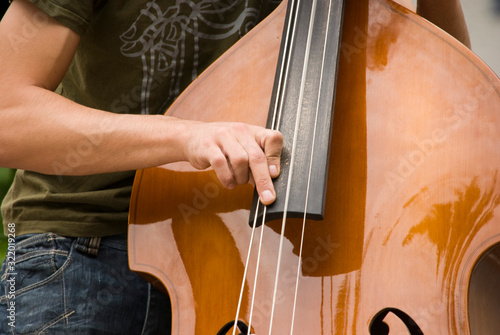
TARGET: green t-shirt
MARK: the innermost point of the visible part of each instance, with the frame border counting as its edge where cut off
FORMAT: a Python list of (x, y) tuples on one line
[(134, 57)]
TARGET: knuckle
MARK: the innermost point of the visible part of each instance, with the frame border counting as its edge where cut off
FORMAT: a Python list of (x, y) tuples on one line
[(240, 160), (278, 137), (263, 183), (275, 137), (218, 161), (240, 127), (257, 156), (221, 132)]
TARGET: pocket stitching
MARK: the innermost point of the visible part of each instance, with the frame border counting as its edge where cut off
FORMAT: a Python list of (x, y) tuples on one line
[(37, 238), (54, 321), (42, 282), (33, 254)]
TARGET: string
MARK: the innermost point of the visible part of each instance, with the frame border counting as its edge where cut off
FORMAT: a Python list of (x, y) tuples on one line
[(259, 253), (290, 176), (275, 124), (313, 13), (276, 120), (254, 224)]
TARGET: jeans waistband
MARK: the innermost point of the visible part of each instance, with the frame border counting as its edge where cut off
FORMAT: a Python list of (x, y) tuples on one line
[(91, 245)]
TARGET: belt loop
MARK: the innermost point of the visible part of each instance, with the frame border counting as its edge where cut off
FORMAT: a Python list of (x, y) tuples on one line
[(88, 245), (94, 245)]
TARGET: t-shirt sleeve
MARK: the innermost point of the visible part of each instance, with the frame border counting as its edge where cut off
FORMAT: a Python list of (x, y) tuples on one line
[(74, 14)]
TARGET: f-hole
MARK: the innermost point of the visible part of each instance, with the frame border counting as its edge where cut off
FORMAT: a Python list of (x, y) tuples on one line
[(484, 294), (379, 327), (242, 327)]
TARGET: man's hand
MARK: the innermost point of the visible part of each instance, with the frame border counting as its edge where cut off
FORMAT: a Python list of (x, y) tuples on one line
[(239, 153)]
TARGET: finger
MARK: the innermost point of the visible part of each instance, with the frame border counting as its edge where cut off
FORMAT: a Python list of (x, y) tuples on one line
[(238, 161), (220, 164), (259, 168), (264, 159), (273, 144)]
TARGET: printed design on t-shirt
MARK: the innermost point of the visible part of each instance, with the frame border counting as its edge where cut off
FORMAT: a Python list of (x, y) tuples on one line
[(166, 36)]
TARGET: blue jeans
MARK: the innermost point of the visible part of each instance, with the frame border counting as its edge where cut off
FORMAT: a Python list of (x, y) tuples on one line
[(56, 286)]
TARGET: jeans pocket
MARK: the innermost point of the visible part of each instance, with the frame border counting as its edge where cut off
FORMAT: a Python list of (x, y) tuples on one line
[(33, 291), (38, 259)]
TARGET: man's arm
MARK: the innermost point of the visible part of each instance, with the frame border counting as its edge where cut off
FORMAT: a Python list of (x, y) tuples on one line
[(37, 126), (446, 14)]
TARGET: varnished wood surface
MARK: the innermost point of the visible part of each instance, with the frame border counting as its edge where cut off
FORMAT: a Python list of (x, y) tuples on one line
[(412, 200)]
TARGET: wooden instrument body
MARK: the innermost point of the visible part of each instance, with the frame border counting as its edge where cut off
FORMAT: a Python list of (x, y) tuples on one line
[(412, 199)]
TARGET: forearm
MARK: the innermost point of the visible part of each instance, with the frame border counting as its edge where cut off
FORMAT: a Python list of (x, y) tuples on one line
[(44, 132), (446, 14)]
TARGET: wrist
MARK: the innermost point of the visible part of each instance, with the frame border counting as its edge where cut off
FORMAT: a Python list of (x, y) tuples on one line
[(176, 136)]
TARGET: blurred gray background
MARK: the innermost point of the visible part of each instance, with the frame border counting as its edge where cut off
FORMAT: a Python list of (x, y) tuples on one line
[(483, 20)]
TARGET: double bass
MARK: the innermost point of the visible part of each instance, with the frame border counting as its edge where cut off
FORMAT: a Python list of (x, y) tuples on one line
[(406, 237)]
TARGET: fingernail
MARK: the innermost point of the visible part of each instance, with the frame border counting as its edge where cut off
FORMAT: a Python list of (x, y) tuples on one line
[(273, 170), (267, 196)]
